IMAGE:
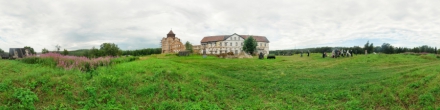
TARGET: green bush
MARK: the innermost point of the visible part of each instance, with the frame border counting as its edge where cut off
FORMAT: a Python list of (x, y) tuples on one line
[(109, 80), (124, 59), (426, 99), (149, 90), (36, 60), (26, 98), (5, 85), (30, 60)]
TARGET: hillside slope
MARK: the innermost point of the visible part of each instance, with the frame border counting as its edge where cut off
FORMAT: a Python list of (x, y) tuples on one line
[(169, 82)]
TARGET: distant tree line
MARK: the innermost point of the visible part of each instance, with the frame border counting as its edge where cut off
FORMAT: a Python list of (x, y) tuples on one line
[(106, 49), (355, 49), (384, 48), (389, 49), (1, 51), (141, 52)]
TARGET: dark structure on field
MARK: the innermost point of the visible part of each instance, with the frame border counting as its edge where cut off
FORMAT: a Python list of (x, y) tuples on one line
[(15, 53), (184, 53), (270, 56), (4, 56), (261, 56)]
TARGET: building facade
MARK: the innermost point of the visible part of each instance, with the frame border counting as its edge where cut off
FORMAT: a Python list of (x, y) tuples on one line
[(171, 44), (15, 53), (232, 43), (196, 48)]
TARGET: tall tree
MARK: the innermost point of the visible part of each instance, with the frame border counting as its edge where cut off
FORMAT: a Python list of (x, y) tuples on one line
[(366, 47), (30, 49), (435, 50), (386, 48), (44, 51), (65, 52), (1, 51), (371, 48), (94, 52), (188, 46), (58, 47), (110, 49), (250, 45)]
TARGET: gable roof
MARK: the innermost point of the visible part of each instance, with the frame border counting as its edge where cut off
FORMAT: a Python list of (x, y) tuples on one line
[(257, 38), (224, 37), (171, 32), (213, 38)]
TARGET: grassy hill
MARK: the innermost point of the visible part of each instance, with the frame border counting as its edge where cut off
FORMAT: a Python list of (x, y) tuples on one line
[(170, 82)]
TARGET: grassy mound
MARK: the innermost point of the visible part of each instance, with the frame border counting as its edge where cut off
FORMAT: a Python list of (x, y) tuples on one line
[(170, 82)]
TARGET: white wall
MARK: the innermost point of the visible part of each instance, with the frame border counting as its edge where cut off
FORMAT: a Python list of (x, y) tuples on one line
[(236, 47)]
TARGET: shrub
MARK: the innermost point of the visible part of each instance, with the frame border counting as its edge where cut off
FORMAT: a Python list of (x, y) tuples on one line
[(74, 62), (4, 86), (68, 62), (427, 57), (426, 99), (26, 98), (124, 59), (30, 60)]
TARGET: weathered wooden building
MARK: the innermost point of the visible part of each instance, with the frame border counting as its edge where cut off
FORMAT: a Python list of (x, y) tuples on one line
[(15, 53), (171, 44)]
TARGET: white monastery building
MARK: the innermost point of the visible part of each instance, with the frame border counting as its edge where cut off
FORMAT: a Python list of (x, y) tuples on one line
[(231, 43)]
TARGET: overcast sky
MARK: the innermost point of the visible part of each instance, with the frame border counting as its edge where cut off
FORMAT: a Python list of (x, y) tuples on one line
[(288, 24)]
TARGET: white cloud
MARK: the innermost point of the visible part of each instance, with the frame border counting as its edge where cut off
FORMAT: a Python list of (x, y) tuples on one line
[(288, 24)]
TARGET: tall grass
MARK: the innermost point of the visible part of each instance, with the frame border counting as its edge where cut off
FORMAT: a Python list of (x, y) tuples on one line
[(166, 82), (74, 62)]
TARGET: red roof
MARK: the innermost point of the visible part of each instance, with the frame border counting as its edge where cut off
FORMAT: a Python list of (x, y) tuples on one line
[(257, 38), (213, 38), (223, 37)]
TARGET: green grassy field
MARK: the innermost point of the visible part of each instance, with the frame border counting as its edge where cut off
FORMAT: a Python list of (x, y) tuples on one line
[(169, 82)]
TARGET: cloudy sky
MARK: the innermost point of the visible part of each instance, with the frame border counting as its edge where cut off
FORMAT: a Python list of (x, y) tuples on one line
[(288, 24)]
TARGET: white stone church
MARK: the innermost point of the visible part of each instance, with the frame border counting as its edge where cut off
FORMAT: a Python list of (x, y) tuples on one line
[(232, 43)]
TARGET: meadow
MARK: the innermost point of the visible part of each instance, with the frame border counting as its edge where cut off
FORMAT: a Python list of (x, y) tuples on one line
[(380, 81)]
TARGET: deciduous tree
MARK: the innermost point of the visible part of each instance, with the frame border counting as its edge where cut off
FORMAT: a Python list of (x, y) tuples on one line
[(110, 49), (58, 47), (44, 51), (366, 47), (30, 49), (188, 46), (65, 52), (250, 45)]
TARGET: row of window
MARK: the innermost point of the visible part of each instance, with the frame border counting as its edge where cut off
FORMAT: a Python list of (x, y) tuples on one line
[(236, 44), (226, 51), (234, 38)]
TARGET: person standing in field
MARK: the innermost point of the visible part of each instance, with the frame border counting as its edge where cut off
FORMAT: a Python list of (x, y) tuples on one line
[(333, 53), (301, 53), (351, 52), (308, 53)]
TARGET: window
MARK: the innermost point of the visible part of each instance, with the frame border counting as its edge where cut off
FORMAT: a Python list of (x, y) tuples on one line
[(220, 44), (230, 44), (242, 44), (236, 52), (226, 43), (236, 43)]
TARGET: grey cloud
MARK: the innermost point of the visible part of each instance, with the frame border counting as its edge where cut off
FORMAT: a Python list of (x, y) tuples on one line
[(286, 23)]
